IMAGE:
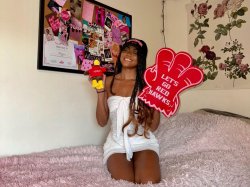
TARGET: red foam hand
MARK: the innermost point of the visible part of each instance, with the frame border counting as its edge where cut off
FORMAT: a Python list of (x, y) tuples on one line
[(171, 74)]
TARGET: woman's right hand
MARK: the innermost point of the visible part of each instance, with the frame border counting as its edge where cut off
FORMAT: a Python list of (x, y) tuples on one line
[(100, 90), (102, 111), (97, 85)]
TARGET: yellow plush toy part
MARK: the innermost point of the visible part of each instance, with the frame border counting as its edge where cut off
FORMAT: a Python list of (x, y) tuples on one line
[(96, 75)]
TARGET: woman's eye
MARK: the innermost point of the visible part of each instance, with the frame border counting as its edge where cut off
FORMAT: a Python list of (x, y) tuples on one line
[(127, 50), (134, 52)]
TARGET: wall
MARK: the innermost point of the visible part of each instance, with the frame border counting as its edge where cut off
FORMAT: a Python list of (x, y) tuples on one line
[(232, 100), (41, 110)]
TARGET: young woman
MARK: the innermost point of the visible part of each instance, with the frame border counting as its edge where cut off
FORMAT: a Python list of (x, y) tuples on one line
[(131, 149)]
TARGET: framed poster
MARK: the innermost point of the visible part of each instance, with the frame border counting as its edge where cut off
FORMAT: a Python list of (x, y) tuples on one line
[(73, 33)]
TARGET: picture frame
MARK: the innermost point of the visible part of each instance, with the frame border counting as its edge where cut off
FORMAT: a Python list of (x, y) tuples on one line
[(74, 33)]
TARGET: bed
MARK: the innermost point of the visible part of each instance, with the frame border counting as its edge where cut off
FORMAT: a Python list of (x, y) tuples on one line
[(202, 148)]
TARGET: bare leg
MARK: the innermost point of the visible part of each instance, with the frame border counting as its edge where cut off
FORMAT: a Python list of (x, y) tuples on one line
[(146, 167), (120, 167)]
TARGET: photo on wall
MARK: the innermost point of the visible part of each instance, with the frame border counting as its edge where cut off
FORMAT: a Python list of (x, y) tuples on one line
[(74, 33)]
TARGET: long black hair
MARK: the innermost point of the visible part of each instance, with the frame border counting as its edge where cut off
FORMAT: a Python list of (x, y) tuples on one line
[(136, 106)]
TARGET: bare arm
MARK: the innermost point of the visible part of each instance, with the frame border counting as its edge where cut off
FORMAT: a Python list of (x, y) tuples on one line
[(102, 112), (155, 121)]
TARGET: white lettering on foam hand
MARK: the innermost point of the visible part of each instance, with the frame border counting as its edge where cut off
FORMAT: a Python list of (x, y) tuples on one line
[(166, 85), (162, 90), (169, 80), (155, 94), (159, 97)]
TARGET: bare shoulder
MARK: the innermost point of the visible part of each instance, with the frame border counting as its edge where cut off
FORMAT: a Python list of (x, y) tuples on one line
[(108, 83)]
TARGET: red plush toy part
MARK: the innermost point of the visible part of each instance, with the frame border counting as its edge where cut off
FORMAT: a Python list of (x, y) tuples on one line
[(171, 74), (96, 75), (96, 70)]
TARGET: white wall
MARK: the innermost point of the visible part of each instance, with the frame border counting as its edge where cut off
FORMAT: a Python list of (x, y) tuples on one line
[(41, 110)]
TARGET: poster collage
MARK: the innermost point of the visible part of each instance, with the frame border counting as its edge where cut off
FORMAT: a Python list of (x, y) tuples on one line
[(76, 32)]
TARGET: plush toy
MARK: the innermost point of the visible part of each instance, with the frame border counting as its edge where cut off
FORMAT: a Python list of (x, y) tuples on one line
[(96, 75)]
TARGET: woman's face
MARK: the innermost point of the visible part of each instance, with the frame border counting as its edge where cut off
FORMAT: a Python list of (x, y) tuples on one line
[(129, 57)]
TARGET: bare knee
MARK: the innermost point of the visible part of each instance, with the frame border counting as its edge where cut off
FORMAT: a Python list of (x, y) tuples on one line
[(123, 177), (147, 168), (120, 168), (147, 179)]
